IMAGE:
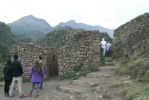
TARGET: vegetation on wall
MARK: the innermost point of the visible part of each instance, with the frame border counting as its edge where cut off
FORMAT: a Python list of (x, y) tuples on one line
[(58, 37), (77, 71), (132, 43), (105, 36)]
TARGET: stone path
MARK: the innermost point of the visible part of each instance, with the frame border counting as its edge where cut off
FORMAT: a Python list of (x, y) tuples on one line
[(95, 86), (98, 85)]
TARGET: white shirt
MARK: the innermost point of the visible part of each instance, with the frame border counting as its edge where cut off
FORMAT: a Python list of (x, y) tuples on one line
[(108, 46), (103, 44)]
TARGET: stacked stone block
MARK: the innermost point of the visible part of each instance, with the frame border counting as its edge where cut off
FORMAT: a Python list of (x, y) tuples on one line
[(29, 53), (82, 49)]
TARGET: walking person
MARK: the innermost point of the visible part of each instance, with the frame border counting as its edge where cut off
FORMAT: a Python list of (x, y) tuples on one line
[(41, 64), (108, 45), (7, 71), (36, 74), (17, 73), (108, 49), (103, 46)]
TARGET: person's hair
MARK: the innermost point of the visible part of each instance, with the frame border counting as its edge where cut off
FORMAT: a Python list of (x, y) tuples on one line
[(40, 57), (15, 56), (103, 39), (37, 67), (8, 62)]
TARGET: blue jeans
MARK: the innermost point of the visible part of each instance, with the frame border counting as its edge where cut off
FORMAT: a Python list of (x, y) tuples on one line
[(35, 85), (41, 84)]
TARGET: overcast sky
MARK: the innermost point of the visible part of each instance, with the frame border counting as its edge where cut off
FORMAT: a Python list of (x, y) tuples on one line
[(106, 13)]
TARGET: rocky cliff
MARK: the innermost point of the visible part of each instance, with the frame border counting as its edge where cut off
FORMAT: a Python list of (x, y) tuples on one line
[(131, 41), (133, 36)]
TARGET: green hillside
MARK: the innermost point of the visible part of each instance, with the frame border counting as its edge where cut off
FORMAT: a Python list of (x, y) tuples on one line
[(6, 41), (30, 28), (59, 37)]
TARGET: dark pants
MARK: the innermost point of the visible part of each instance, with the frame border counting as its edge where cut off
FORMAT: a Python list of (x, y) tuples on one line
[(7, 85)]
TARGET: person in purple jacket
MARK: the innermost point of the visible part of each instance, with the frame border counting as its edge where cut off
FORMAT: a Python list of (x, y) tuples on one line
[(36, 74)]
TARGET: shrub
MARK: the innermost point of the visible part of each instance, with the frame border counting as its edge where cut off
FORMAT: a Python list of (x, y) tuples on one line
[(69, 75), (135, 91), (92, 67), (77, 72), (77, 67), (115, 55), (137, 68)]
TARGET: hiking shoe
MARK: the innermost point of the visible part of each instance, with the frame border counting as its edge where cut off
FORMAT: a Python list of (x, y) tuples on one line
[(11, 95), (37, 95), (6, 94), (41, 88), (22, 96), (29, 95)]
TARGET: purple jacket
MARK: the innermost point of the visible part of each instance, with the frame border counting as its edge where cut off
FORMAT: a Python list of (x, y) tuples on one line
[(34, 76)]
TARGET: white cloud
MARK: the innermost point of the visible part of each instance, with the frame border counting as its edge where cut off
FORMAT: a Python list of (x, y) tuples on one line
[(107, 13)]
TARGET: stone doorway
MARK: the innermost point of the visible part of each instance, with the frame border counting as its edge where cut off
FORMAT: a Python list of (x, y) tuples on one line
[(52, 65)]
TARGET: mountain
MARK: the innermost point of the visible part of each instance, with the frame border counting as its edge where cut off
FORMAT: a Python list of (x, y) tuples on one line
[(76, 25), (37, 28), (30, 25)]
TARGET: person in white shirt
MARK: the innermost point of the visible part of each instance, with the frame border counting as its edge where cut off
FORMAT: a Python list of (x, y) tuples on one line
[(108, 45), (103, 46)]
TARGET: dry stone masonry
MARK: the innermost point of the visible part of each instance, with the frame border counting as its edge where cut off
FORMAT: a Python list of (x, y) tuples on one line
[(82, 49), (132, 44), (132, 36), (29, 53)]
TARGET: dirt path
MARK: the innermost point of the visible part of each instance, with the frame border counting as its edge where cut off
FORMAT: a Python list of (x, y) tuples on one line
[(100, 85), (49, 91)]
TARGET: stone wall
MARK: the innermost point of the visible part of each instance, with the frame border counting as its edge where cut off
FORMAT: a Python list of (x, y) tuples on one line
[(29, 53), (82, 49), (132, 36), (132, 44)]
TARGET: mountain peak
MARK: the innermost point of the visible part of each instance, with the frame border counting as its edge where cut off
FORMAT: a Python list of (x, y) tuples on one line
[(74, 24), (30, 24), (31, 16), (71, 21)]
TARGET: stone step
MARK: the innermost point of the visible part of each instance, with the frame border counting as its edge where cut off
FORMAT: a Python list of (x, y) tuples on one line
[(107, 68), (109, 59), (99, 74), (110, 63), (88, 82), (72, 89)]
